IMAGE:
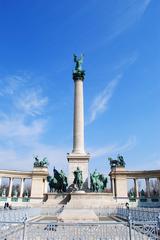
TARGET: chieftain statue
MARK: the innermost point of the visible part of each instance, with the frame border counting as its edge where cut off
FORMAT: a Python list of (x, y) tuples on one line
[(98, 182), (117, 163), (78, 179), (40, 163), (57, 182)]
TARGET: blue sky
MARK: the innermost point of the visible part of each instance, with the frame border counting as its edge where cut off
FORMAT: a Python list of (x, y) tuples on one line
[(120, 41)]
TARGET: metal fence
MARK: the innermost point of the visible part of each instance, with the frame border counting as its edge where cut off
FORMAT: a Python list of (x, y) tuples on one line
[(109, 230), (139, 214), (137, 224), (16, 215)]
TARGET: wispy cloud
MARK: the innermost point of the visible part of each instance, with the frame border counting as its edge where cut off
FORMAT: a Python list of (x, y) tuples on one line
[(31, 102), (101, 101), (11, 83), (114, 148), (124, 17), (127, 16), (126, 62)]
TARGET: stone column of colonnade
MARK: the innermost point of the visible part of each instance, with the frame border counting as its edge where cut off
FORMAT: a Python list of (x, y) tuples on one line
[(136, 187), (22, 187), (147, 187), (10, 187), (78, 157), (158, 179)]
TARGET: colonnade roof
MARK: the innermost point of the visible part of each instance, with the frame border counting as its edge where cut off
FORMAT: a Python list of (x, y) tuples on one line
[(15, 173), (135, 174)]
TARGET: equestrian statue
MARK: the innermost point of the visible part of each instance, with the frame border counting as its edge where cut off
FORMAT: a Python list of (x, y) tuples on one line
[(40, 163), (117, 163), (57, 182), (98, 182)]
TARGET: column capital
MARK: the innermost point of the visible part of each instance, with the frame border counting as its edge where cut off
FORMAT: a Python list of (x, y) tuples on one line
[(79, 75)]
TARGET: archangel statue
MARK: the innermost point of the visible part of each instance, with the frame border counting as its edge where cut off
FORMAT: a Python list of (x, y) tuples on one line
[(78, 62)]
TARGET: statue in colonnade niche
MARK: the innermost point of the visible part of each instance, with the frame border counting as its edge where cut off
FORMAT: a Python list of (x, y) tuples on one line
[(78, 179), (26, 193), (132, 195), (4, 192), (15, 193), (40, 163), (117, 163), (98, 182), (57, 182), (142, 193)]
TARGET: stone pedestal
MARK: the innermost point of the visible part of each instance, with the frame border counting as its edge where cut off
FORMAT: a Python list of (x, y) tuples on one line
[(39, 176), (81, 161), (90, 200), (78, 215), (119, 182)]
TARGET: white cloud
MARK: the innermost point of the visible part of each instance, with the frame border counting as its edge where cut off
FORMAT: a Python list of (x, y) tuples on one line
[(10, 84), (16, 129), (100, 103), (31, 102), (114, 149)]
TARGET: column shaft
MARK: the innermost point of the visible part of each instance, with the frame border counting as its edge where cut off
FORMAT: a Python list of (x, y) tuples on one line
[(147, 187), (45, 186), (158, 180), (10, 187), (78, 131), (22, 187), (136, 187)]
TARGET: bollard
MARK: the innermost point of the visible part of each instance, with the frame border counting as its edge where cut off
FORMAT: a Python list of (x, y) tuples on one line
[(24, 227), (130, 226)]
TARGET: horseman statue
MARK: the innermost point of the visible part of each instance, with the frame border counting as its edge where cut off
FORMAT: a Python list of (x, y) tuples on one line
[(40, 163), (98, 182), (117, 163), (78, 180), (57, 182)]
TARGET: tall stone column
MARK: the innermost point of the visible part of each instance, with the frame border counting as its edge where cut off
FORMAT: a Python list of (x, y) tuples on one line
[(78, 131), (22, 187), (78, 157)]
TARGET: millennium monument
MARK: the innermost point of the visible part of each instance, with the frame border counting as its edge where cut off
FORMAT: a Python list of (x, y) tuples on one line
[(80, 189), (78, 158), (71, 208)]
